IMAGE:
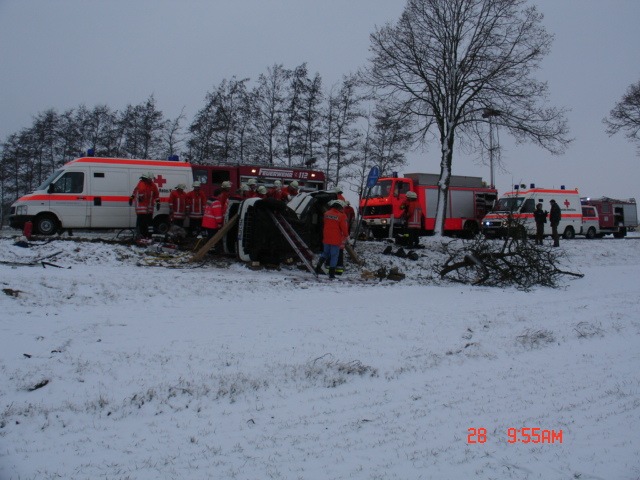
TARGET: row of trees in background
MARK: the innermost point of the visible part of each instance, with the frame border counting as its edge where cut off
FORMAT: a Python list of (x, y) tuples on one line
[(284, 118)]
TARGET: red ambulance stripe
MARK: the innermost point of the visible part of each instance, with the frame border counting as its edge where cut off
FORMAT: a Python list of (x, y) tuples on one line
[(125, 161)]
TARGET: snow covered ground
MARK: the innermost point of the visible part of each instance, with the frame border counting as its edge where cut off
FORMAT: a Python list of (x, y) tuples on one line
[(113, 370)]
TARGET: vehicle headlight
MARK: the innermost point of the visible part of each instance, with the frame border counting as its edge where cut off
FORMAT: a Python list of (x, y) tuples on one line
[(21, 210)]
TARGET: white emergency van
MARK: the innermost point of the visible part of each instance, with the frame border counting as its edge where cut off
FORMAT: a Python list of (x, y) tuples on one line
[(516, 207), (93, 193)]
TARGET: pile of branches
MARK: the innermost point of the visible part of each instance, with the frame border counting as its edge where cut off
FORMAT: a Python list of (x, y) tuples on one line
[(510, 262)]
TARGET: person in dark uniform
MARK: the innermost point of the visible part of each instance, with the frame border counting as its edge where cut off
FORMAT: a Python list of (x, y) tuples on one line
[(554, 218), (540, 216)]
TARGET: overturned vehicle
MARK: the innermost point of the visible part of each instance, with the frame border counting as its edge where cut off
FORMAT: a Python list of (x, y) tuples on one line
[(270, 231)]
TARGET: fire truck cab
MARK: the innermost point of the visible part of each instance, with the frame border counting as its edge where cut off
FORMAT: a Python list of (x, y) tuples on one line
[(469, 200)]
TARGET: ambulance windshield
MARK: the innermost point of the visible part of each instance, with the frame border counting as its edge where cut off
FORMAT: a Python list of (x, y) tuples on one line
[(509, 204), (50, 179)]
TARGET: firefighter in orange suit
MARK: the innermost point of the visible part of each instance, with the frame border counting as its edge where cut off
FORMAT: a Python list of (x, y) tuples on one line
[(145, 196), (212, 218), (196, 201), (412, 215), (290, 191), (178, 205), (223, 198), (334, 236)]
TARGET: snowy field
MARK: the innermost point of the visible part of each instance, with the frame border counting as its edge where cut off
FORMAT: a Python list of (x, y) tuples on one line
[(117, 371)]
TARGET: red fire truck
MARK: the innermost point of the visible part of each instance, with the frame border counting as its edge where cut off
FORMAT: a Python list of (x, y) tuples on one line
[(212, 176), (615, 216), (469, 200)]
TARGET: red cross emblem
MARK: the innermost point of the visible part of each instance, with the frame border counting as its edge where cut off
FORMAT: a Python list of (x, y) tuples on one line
[(159, 181), (567, 203)]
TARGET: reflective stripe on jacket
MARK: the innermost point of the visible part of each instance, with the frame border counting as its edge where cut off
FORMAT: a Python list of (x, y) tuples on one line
[(177, 204), (144, 196), (196, 201)]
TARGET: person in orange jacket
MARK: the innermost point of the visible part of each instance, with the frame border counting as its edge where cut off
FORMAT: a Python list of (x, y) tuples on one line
[(212, 218), (334, 235), (290, 191), (412, 215), (225, 192), (145, 196), (178, 205), (277, 192), (196, 201)]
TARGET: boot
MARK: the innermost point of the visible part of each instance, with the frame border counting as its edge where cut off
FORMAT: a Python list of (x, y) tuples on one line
[(332, 272), (319, 270)]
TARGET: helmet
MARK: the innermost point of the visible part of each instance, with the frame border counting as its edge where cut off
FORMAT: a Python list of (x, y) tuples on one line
[(145, 176), (244, 187), (226, 184), (277, 183), (338, 189), (412, 195), (181, 186), (252, 181), (294, 184), (262, 189), (335, 204), (150, 176), (196, 184)]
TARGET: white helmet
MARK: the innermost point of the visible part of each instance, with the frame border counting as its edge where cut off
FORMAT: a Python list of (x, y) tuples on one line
[(226, 184), (145, 176), (335, 203), (181, 186), (196, 184), (262, 190), (252, 181), (338, 189), (244, 187), (277, 183), (412, 195), (294, 184)]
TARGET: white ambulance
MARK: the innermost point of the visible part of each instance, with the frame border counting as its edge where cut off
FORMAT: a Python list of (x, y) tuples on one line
[(519, 205), (92, 192)]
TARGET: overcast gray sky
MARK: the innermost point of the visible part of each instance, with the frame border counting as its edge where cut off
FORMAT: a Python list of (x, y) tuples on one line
[(61, 53)]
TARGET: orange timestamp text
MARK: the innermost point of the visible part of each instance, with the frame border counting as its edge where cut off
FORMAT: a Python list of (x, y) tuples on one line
[(517, 435)]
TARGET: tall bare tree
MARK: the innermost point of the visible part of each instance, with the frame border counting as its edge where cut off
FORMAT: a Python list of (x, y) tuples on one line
[(626, 115), (448, 61)]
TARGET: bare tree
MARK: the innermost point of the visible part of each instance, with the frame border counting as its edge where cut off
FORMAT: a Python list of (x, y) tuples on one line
[(447, 61), (341, 135), (626, 115)]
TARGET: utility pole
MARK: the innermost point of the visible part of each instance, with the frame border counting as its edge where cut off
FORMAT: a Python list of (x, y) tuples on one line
[(490, 113)]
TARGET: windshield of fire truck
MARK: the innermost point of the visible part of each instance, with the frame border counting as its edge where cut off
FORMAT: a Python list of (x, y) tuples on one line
[(509, 204), (381, 189)]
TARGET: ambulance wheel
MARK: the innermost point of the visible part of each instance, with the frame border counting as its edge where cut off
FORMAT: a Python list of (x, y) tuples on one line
[(161, 224), (591, 233), (568, 233), (46, 224)]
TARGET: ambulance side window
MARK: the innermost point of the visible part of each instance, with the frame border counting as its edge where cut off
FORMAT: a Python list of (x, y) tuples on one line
[(70, 182), (529, 206)]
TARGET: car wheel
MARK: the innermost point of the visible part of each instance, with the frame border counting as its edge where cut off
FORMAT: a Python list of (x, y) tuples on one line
[(46, 224), (568, 234), (591, 233)]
